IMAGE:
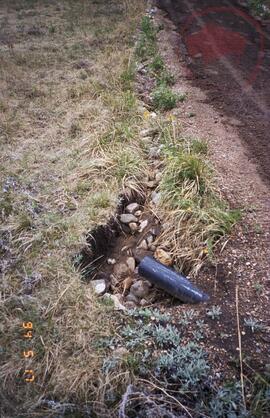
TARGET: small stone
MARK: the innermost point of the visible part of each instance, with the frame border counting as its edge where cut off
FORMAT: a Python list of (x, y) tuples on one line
[(143, 245), (151, 184), (150, 239), (156, 198), (144, 302), (111, 261), (131, 263), (99, 286), (116, 301), (120, 270), (130, 305), (143, 225), (159, 176), (154, 152), (138, 213), (152, 248), (149, 132), (127, 218), (140, 289), (132, 207), (133, 227), (132, 298), (163, 257)]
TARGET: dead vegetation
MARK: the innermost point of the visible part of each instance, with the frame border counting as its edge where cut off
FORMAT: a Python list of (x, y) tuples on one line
[(69, 125), (70, 143)]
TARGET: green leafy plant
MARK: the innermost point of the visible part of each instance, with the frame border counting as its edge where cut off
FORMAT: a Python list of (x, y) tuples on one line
[(165, 99)]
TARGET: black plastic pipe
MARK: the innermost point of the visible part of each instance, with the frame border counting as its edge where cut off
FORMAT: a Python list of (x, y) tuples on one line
[(170, 281)]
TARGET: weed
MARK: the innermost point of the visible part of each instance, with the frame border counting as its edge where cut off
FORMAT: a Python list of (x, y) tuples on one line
[(227, 402), (253, 324), (154, 314), (259, 7), (214, 313), (157, 64), (199, 147), (127, 77), (259, 288), (165, 99), (186, 364), (166, 335), (148, 28), (165, 78)]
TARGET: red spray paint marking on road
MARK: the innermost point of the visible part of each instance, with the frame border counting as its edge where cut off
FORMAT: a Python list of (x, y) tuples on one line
[(224, 41), (215, 42)]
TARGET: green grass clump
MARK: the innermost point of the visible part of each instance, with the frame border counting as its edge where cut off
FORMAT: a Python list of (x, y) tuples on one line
[(157, 64), (165, 99), (146, 46), (196, 216)]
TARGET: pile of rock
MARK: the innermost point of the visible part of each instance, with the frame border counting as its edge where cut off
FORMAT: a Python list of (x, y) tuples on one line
[(128, 288)]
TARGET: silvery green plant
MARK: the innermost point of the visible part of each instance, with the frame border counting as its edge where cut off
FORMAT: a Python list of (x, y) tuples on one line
[(166, 335), (253, 324), (215, 312)]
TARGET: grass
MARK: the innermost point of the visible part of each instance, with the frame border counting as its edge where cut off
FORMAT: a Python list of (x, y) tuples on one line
[(197, 218), (69, 144)]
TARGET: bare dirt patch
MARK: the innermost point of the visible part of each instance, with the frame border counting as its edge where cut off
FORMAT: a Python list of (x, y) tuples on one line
[(237, 132)]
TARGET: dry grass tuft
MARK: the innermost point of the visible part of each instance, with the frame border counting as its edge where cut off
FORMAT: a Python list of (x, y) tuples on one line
[(194, 215), (69, 126)]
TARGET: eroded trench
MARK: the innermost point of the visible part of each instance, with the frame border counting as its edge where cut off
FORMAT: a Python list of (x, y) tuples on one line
[(109, 261)]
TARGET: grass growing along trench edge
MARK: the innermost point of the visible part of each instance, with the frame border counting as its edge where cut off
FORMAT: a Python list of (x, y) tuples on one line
[(70, 142)]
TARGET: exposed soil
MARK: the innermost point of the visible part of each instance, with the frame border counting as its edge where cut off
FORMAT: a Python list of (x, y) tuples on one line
[(233, 116), (228, 105)]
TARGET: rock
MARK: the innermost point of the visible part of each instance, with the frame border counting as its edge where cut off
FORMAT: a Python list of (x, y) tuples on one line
[(131, 263), (127, 218), (154, 152), (152, 248), (132, 298), (116, 301), (132, 207), (111, 261), (130, 305), (156, 196), (163, 257), (159, 177), (133, 226), (143, 245), (149, 132), (120, 352), (120, 270), (138, 213), (127, 283), (143, 225), (144, 302), (150, 239), (99, 286), (140, 289), (151, 184)]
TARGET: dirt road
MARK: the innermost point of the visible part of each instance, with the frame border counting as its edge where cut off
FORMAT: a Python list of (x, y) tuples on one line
[(221, 58), (228, 57)]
